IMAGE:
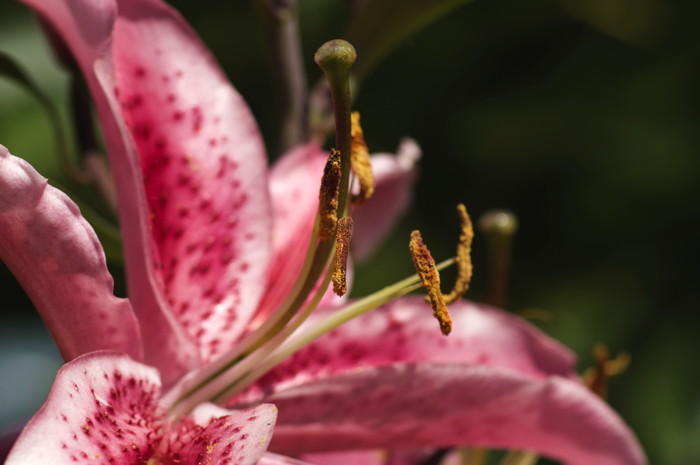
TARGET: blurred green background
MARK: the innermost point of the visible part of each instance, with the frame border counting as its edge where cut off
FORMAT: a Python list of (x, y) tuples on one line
[(582, 116)]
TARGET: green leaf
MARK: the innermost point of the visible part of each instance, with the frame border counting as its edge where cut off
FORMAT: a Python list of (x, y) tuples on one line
[(382, 25), (10, 69)]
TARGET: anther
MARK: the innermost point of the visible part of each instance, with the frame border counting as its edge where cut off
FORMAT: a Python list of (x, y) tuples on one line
[(359, 157), (596, 378), (430, 277), (463, 260), (342, 247), (328, 197)]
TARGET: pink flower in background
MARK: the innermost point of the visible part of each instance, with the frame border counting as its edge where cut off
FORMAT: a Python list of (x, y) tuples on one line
[(213, 243)]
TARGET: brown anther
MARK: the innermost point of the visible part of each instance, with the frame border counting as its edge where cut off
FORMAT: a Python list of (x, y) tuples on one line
[(463, 261), (430, 277), (342, 247), (328, 197), (596, 378), (359, 157)]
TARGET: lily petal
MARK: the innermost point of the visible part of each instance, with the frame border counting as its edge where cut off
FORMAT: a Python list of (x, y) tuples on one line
[(196, 225), (295, 180), (352, 457), (216, 435), (56, 256), (104, 407), (436, 404), (273, 459), (394, 177), (204, 169), (405, 331), (86, 26)]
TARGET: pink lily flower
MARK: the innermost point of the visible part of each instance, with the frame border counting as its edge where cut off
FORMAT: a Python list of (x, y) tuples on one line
[(211, 245)]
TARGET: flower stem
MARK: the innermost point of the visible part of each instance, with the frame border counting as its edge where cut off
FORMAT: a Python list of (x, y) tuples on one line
[(286, 63), (499, 227)]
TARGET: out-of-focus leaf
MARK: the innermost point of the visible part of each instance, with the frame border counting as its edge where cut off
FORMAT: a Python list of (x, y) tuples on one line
[(11, 70), (381, 25)]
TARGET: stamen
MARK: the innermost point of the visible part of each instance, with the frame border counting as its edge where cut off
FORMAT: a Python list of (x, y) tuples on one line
[(359, 157), (596, 378), (464, 259), (342, 247), (328, 197), (430, 277)]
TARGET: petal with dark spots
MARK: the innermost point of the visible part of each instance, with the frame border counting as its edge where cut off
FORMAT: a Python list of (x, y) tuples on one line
[(404, 331), (102, 408), (86, 27), (190, 173), (204, 169)]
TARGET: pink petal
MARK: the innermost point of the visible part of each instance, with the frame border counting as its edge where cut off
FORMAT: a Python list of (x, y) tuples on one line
[(86, 26), (56, 256), (405, 331), (395, 177), (295, 181), (101, 408), (352, 457), (204, 169), (196, 226), (436, 404), (217, 436), (273, 459)]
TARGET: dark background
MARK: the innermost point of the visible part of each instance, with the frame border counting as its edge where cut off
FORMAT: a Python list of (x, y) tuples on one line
[(581, 116)]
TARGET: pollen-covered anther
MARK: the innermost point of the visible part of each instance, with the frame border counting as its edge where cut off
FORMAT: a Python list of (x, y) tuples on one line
[(328, 196), (430, 277), (463, 260), (359, 158), (596, 378), (342, 247)]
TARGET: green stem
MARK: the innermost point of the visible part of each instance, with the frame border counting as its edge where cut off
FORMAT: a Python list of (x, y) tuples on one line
[(287, 66), (499, 227)]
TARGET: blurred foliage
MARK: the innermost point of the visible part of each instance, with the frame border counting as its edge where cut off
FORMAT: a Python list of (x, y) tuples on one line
[(581, 116)]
